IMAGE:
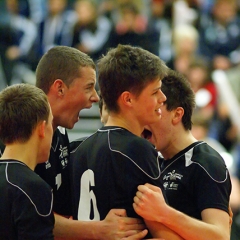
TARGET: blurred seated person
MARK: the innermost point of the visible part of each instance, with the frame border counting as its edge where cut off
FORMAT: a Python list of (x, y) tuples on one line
[(91, 30), (55, 29), (220, 34), (185, 44), (130, 27), (199, 76), (15, 57)]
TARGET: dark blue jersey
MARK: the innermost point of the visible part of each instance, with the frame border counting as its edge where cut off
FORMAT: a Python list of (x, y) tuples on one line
[(56, 172), (196, 179), (25, 203), (106, 170)]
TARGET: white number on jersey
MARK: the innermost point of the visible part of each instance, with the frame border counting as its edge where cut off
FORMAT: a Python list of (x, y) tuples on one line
[(87, 198), (58, 180)]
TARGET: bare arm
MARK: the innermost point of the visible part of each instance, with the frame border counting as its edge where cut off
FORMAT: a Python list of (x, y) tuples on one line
[(158, 230), (149, 201), (116, 225)]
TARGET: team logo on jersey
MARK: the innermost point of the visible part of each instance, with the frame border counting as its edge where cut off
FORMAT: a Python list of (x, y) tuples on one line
[(170, 185), (63, 156), (171, 178)]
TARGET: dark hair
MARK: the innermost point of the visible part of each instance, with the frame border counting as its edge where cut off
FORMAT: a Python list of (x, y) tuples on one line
[(63, 63), (179, 93), (22, 107), (127, 68)]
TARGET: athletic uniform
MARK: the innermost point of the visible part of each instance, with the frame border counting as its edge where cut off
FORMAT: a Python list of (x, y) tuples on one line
[(75, 143), (25, 203), (106, 170), (56, 172), (196, 179)]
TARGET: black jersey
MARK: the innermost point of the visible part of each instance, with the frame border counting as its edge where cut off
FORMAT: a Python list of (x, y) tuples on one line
[(75, 143), (25, 203), (106, 169), (196, 179), (56, 172)]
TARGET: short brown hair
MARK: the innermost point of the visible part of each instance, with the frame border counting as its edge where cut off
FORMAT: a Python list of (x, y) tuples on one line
[(127, 68), (22, 107), (61, 62)]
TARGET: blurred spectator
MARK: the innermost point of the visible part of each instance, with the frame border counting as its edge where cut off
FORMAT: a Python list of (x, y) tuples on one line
[(55, 29), (183, 13), (34, 10), (200, 130), (199, 76), (225, 126), (185, 45), (106, 8), (22, 33), (160, 32), (91, 30), (131, 27), (220, 34)]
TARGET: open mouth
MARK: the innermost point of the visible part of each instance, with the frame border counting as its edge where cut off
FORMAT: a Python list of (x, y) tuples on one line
[(146, 134)]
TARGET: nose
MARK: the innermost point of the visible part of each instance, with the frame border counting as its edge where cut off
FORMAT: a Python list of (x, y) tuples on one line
[(95, 97), (162, 97)]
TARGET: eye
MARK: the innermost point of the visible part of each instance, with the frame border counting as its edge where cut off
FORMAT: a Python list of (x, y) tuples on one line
[(156, 92), (89, 87)]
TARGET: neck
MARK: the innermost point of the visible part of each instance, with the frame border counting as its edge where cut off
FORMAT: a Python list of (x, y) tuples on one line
[(21, 152), (179, 142), (131, 126)]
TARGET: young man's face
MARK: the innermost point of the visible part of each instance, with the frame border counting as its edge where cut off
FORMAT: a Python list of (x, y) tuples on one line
[(159, 133), (147, 106), (80, 94)]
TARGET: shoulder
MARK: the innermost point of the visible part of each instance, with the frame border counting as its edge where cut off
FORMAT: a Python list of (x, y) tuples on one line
[(27, 184), (132, 145), (209, 160), (76, 143)]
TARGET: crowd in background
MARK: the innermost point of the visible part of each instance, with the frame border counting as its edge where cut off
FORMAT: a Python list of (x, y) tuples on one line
[(199, 38)]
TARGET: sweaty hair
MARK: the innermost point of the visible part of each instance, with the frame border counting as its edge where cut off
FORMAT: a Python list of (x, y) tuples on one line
[(22, 107), (179, 94), (127, 68), (63, 63)]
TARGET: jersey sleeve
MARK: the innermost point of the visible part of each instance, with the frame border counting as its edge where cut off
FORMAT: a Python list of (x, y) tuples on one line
[(212, 185), (32, 212)]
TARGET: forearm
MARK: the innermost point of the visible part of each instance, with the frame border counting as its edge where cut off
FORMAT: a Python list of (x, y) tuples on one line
[(192, 229), (159, 230), (76, 230)]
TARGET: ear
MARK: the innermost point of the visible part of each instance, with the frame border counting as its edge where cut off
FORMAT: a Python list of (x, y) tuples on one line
[(41, 129), (126, 98), (178, 114), (59, 87)]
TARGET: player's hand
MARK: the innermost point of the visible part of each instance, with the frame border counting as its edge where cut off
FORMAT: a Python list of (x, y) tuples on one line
[(148, 201), (119, 226)]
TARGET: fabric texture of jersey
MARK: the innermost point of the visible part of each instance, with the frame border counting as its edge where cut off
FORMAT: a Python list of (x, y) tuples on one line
[(25, 203), (56, 172), (106, 170), (196, 179)]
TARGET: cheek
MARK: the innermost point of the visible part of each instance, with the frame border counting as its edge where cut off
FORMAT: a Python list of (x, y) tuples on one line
[(79, 99), (150, 105)]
